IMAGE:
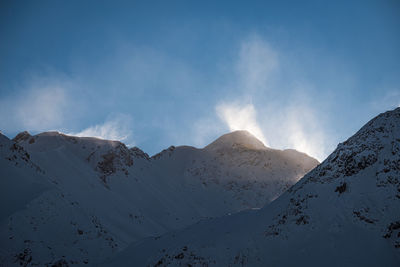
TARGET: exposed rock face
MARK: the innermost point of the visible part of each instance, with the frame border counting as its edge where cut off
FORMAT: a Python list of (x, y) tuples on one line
[(375, 139), (137, 152), (166, 152), (22, 136), (15, 153), (120, 158)]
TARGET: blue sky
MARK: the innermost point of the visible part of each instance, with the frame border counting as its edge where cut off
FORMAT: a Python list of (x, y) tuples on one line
[(297, 74)]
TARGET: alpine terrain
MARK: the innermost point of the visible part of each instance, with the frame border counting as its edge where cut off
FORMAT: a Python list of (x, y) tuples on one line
[(70, 201), (345, 212)]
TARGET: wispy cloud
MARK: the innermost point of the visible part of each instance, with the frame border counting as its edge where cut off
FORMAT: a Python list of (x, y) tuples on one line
[(257, 61), (116, 127), (288, 123), (39, 107), (301, 129), (42, 109), (241, 117)]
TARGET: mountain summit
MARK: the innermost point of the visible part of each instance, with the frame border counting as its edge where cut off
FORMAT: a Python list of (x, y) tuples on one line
[(237, 139)]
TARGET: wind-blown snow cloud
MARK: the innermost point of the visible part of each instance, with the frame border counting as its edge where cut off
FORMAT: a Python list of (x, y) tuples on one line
[(37, 108), (256, 63), (292, 125), (114, 128), (43, 108), (241, 117), (302, 131)]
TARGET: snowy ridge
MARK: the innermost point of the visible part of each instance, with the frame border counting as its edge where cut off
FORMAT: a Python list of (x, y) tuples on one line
[(90, 198), (345, 212)]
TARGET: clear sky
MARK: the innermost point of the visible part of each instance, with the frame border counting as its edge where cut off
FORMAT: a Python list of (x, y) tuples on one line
[(297, 74)]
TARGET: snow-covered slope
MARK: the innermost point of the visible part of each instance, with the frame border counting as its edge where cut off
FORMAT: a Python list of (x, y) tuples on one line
[(345, 212), (78, 201)]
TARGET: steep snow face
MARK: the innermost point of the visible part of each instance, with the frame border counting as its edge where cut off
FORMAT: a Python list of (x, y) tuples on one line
[(345, 212), (254, 176), (93, 197), (50, 208), (16, 187)]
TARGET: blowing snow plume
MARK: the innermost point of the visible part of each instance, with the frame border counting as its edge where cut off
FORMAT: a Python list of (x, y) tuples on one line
[(241, 117), (114, 128)]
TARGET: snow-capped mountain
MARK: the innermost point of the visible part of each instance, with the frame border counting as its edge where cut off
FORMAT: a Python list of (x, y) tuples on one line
[(70, 201), (345, 212)]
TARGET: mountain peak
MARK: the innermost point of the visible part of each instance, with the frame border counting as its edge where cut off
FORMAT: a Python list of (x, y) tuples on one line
[(236, 139), (375, 143), (22, 136)]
